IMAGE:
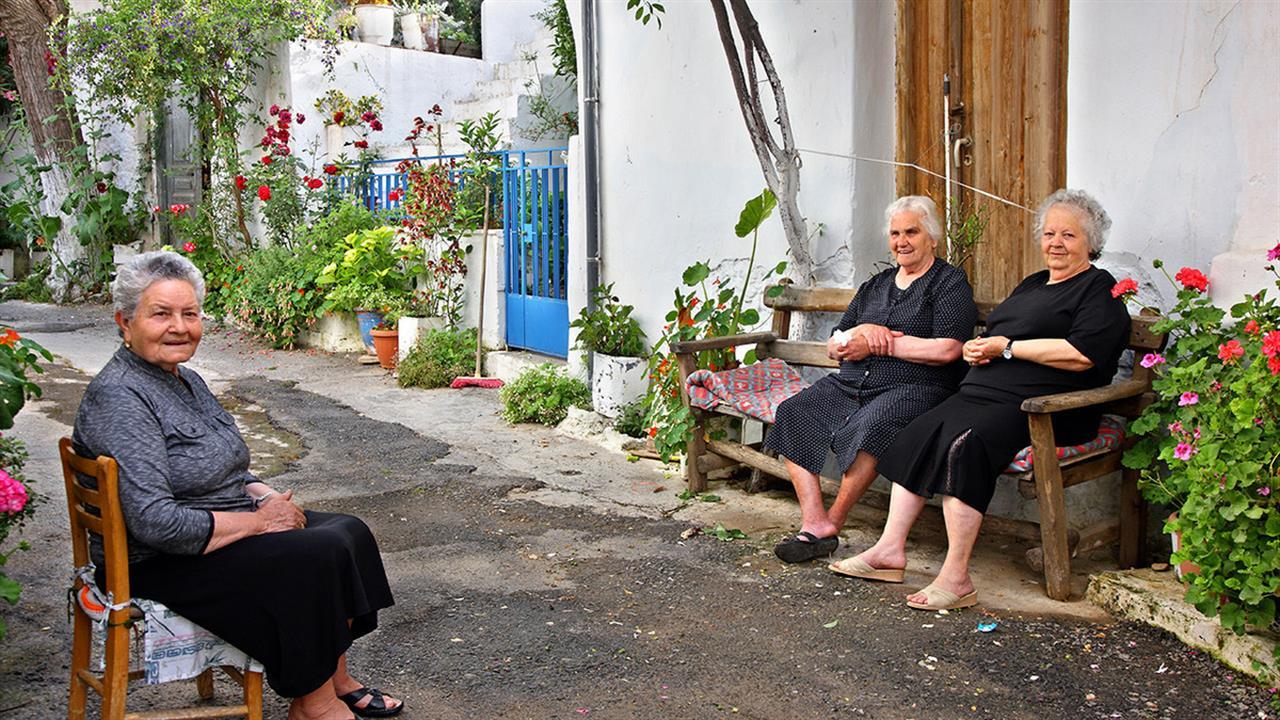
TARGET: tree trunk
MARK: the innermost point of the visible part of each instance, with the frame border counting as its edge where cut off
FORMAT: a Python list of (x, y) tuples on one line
[(779, 163), (49, 117)]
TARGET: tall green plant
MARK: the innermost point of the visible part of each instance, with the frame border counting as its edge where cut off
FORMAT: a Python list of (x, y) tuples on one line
[(607, 327)]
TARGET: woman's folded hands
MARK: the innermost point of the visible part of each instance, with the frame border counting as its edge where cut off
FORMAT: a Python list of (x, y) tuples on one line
[(278, 513)]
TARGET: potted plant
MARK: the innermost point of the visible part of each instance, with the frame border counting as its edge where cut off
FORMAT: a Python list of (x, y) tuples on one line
[(410, 12), (433, 16), (377, 21), (386, 338), (609, 331), (1207, 446), (374, 273)]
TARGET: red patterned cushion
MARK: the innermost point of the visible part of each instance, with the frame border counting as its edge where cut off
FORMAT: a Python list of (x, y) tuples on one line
[(1110, 435), (755, 390)]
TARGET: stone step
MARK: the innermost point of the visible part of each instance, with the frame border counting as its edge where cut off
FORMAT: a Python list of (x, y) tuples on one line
[(508, 364)]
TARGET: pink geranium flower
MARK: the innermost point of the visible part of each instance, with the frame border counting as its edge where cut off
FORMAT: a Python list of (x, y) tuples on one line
[(1151, 360), (1264, 491), (13, 496), (1184, 451), (1188, 398)]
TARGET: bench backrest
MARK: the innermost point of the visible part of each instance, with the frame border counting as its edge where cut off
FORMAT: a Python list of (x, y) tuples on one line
[(793, 299)]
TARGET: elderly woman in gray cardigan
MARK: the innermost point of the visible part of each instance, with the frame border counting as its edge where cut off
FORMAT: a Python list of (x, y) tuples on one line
[(206, 537)]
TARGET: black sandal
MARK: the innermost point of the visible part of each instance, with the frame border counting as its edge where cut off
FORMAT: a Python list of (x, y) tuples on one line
[(795, 550), (376, 708)]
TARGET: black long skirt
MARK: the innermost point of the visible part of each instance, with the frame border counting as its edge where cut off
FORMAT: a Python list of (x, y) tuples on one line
[(284, 598), (959, 448)]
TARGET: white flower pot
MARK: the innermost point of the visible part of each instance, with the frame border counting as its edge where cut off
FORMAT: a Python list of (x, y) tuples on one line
[(411, 31), (413, 328), (334, 137), (377, 23), (616, 381)]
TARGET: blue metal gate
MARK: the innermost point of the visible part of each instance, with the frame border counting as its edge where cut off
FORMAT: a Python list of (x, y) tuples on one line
[(534, 201)]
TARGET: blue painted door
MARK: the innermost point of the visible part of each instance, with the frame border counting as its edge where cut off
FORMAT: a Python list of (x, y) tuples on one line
[(535, 190)]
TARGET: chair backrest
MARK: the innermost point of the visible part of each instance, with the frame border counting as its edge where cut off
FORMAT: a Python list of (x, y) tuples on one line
[(93, 502), (792, 298)]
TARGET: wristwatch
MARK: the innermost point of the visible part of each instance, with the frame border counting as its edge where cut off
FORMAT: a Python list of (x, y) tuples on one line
[(1007, 353)]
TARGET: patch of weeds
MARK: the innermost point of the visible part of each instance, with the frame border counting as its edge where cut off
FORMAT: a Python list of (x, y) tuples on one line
[(543, 394), (724, 534), (31, 288), (438, 358), (631, 420), (687, 494)]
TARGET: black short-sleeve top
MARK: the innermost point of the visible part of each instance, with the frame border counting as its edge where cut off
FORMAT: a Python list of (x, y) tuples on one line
[(1079, 310), (938, 304)]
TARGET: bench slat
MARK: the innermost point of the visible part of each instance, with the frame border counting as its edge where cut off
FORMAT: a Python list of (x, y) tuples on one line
[(811, 299), (797, 352)]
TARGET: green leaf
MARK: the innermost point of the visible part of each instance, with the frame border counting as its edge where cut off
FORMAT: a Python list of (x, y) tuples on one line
[(775, 290), (750, 316), (749, 358), (696, 273), (9, 589), (756, 211), (831, 624)]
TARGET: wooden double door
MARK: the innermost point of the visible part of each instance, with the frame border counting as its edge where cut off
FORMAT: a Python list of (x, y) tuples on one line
[(1006, 133)]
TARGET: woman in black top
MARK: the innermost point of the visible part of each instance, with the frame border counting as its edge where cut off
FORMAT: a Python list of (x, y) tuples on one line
[(207, 538), (1059, 330), (899, 350)]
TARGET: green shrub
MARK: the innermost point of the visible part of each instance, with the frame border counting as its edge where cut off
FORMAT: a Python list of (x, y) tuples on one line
[(631, 420), (31, 288), (543, 394), (438, 358)]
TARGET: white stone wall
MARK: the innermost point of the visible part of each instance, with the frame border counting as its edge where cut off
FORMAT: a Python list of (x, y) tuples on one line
[(677, 164), (1179, 135)]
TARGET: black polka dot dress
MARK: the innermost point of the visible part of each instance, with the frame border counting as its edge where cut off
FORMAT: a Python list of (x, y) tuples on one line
[(865, 404)]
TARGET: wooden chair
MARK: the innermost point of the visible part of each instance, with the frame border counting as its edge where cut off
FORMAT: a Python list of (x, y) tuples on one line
[(1044, 483), (97, 509)]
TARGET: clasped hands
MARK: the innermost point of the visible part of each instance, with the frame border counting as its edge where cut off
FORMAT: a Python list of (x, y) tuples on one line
[(279, 513), (861, 341), (982, 350)]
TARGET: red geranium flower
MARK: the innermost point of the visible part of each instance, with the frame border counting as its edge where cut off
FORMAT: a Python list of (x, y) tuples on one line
[(299, 118), (1271, 344), (1230, 351), (188, 247), (1192, 278), (266, 159), (376, 125), (264, 192), (1124, 288), (275, 110), (102, 187), (1252, 328), (395, 195), (241, 182), (368, 116), (10, 338), (330, 169), (362, 144), (339, 116)]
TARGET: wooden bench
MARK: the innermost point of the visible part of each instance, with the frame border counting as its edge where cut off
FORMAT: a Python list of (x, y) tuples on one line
[(1044, 483)]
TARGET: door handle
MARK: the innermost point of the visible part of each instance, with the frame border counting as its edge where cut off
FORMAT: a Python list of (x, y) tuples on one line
[(959, 144)]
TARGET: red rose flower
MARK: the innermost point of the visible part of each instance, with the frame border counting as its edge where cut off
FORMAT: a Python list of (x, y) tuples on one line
[(102, 187), (189, 247), (362, 144), (1124, 288), (339, 116), (376, 125), (264, 192), (286, 116), (395, 195), (241, 182), (368, 116), (299, 118), (266, 159), (1192, 279), (315, 183)]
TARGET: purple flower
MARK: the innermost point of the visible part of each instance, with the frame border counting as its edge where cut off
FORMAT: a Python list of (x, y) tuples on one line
[(1184, 451), (1151, 360), (1264, 491), (1273, 253), (1188, 398)]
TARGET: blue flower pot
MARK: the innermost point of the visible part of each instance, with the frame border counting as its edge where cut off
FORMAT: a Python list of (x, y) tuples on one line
[(367, 319)]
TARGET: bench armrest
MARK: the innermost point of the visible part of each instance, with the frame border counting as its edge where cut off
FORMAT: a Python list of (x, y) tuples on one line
[(1084, 398), (689, 347)]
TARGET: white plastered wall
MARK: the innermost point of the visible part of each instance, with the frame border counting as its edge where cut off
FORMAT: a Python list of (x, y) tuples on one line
[(1178, 135)]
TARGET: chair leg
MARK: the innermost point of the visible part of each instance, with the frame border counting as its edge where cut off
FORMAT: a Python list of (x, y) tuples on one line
[(253, 694), (81, 637), (1133, 520), (115, 680), (1053, 509), (204, 684)]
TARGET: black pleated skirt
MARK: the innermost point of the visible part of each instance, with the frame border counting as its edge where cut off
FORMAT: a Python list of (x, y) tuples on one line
[(284, 598)]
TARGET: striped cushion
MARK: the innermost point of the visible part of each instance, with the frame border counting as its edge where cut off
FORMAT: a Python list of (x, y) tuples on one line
[(1110, 435)]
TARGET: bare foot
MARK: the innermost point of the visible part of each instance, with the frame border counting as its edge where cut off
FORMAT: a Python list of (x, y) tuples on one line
[(319, 707)]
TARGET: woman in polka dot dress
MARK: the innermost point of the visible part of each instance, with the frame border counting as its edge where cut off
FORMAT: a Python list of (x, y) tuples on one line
[(899, 349)]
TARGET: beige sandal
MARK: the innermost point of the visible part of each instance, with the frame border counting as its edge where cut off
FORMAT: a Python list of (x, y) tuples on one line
[(856, 567), (937, 598)]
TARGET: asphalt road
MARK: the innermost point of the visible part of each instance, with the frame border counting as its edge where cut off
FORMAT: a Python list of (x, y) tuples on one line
[(518, 599)]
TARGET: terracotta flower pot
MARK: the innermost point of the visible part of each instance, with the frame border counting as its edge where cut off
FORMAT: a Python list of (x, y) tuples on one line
[(1185, 567), (385, 344)]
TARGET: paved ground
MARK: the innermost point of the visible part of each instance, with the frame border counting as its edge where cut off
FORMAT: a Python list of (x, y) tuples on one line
[(540, 576)]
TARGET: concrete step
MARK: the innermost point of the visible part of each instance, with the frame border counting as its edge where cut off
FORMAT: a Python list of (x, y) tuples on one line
[(1156, 599), (508, 364)]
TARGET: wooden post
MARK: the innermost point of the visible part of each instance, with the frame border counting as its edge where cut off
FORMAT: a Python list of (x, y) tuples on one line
[(1133, 520), (1053, 510), (697, 445)]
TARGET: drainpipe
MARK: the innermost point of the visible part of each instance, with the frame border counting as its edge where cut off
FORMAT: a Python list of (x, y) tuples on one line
[(590, 150)]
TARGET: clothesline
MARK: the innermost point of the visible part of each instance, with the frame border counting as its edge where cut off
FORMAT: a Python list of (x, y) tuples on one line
[(926, 171)]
